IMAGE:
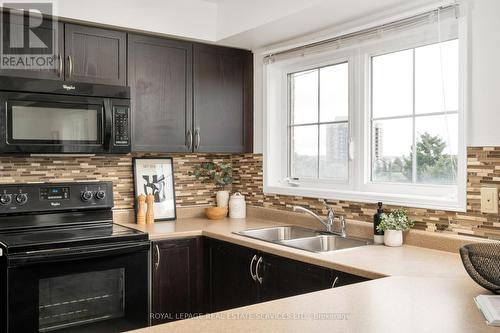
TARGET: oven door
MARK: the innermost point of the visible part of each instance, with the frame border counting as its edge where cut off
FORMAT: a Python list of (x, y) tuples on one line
[(103, 289), (45, 123)]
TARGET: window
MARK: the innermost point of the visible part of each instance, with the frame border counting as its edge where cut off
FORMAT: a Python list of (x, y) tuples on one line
[(318, 127), (375, 119), (414, 120)]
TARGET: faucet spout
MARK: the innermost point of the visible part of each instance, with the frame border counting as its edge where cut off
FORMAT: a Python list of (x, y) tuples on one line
[(328, 223)]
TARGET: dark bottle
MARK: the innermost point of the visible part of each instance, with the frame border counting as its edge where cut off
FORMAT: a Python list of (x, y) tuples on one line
[(378, 236)]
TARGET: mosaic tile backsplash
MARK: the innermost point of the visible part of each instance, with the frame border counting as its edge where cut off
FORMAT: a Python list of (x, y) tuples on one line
[(115, 168), (483, 170)]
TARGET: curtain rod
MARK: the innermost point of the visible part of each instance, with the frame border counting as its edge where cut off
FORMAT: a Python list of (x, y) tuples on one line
[(366, 31)]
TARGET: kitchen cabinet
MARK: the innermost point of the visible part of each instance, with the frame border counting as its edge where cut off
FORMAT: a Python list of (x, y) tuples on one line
[(230, 284), (241, 276), (95, 55), (177, 279), (56, 71), (160, 78), (223, 93)]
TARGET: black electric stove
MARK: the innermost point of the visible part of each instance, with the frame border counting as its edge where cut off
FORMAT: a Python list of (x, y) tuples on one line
[(64, 265)]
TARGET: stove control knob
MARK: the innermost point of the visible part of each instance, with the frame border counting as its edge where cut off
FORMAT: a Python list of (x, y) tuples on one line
[(86, 195), (21, 198), (5, 199), (99, 195)]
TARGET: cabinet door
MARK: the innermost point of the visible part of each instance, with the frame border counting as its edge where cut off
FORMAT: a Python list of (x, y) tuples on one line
[(177, 289), (56, 71), (95, 55), (222, 99), (282, 277), (160, 78), (230, 283)]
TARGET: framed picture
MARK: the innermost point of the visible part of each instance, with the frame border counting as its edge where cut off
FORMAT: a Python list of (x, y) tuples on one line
[(155, 175)]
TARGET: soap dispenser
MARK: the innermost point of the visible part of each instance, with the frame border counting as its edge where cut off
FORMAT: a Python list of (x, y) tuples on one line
[(378, 236)]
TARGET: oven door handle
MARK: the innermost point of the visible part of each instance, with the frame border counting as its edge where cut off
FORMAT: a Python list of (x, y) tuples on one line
[(75, 253)]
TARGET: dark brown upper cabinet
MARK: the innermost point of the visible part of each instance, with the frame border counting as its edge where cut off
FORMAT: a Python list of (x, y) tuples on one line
[(95, 55), (160, 78), (223, 93), (56, 71)]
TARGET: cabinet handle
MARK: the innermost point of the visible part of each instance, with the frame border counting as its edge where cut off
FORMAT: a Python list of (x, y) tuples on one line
[(197, 138), (59, 58), (157, 263), (259, 278), (254, 276), (70, 63), (189, 139), (335, 281)]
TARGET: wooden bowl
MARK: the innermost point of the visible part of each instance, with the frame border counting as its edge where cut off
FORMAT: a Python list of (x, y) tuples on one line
[(216, 213)]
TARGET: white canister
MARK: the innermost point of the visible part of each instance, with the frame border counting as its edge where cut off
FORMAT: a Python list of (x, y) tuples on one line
[(237, 206)]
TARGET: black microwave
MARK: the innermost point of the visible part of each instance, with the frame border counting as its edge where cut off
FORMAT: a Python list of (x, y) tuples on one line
[(50, 116)]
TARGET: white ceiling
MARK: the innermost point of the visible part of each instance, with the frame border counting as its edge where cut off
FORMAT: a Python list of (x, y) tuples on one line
[(258, 23), (249, 24)]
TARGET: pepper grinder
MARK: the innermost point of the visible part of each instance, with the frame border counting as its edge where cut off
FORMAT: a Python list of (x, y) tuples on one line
[(141, 213), (150, 215)]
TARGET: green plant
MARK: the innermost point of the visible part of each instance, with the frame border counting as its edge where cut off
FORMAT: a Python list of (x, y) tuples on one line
[(220, 175), (396, 220)]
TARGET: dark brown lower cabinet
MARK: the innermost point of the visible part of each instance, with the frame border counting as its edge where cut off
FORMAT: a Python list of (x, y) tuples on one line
[(203, 275), (177, 279), (240, 276), (229, 283)]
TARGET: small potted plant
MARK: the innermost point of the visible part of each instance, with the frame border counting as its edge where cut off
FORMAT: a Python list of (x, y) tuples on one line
[(393, 225), (220, 175)]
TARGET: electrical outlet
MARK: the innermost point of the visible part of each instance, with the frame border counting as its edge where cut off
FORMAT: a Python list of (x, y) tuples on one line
[(489, 200)]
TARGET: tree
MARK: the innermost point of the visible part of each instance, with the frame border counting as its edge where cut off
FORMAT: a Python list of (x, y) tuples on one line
[(432, 164)]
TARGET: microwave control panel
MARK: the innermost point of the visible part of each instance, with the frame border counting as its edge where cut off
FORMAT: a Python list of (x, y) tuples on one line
[(121, 125)]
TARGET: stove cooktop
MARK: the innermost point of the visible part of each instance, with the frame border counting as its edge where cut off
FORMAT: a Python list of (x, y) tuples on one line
[(29, 240)]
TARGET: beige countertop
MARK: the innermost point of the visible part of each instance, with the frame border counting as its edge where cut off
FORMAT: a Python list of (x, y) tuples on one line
[(419, 290)]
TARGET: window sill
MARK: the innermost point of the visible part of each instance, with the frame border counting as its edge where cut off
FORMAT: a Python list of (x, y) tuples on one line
[(370, 197)]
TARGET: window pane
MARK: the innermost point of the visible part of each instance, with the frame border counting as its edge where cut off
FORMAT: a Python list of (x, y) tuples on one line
[(334, 93), (392, 150), (437, 149), (333, 159), (304, 97), (392, 84), (436, 77), (304, 154)]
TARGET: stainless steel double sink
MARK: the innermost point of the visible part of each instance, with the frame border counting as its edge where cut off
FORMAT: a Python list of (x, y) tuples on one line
[(304, 239)]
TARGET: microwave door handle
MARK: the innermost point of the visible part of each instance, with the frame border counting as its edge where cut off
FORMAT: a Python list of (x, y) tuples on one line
[(108, 126)]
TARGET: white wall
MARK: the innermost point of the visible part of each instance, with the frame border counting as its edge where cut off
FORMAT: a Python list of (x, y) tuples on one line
[(483, 119), (195, 19)]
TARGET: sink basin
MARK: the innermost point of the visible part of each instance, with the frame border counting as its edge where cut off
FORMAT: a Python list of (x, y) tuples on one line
[(303, 239), (278, 234), (324, 243)]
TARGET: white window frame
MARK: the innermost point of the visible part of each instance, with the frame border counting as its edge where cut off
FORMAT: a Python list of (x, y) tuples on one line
[(359, 187)]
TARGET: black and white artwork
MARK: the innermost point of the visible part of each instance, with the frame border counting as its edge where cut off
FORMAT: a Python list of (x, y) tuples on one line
[(155, 176)]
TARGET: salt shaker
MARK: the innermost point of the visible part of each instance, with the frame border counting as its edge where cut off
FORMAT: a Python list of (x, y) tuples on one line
[(150, 215), (141, 213), (237, 206)]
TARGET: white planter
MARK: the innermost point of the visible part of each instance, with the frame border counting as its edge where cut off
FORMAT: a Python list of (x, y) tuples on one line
[(393, 237), (222, 198)]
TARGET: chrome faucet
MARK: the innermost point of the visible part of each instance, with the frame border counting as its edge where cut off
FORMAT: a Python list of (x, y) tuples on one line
[(328, 222)]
